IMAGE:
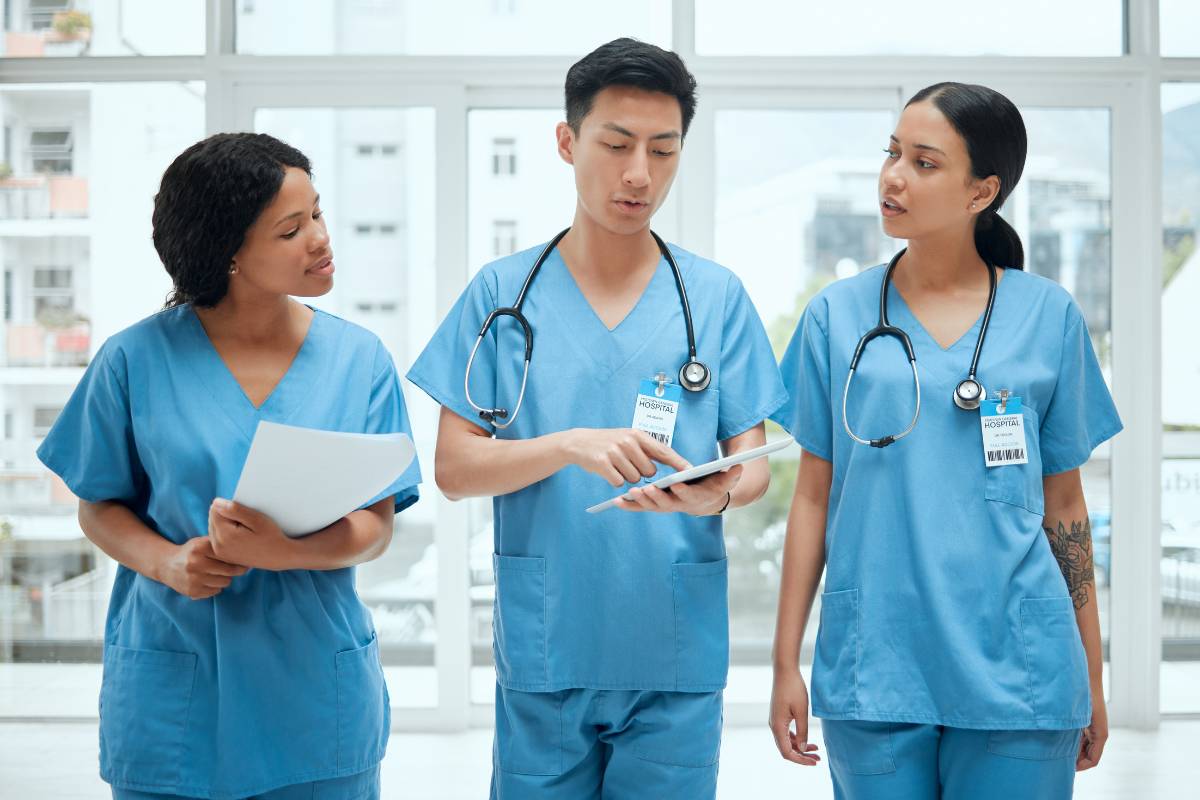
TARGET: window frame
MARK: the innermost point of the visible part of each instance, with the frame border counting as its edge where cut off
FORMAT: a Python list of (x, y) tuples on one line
[(453, 85)]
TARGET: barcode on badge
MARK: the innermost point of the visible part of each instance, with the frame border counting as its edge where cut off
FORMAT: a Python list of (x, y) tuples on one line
[(1010, 454), (662, 437)]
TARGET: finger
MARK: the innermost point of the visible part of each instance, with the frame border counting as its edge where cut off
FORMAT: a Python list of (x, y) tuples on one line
[(660, 452), (781, 730), (625, 467), (236, 512), (721, 482), (638, 498), (204, 594), (215, 566), (806, 750), (693, 496), (610, 474), (662, 501), (639, 459), (1091, 753), (788, 746), (1083, 760), (698, 500), (627, 503), (217, 582)]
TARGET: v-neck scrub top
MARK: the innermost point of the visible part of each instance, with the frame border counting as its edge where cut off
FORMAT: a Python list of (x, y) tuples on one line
[(276, 680), (943, 602), (615, 600)]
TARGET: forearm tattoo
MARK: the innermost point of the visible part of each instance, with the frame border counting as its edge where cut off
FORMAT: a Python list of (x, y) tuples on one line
[(1073, 550)]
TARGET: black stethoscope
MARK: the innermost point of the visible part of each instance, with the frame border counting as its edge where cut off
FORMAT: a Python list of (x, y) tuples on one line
[(967, 395), (693, 375)]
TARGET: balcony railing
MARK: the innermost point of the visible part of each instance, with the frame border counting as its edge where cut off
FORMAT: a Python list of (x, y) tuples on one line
[(48, 42), (44, 197), (37, 346)]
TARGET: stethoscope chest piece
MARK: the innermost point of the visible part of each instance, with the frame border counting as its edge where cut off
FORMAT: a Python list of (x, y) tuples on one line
[(694, 376), (969, 394)]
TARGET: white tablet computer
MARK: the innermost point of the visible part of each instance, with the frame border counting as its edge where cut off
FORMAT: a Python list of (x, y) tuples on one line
[(705, 469)]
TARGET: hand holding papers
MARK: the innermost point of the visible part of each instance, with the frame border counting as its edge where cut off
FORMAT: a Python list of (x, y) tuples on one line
[(306, 480)]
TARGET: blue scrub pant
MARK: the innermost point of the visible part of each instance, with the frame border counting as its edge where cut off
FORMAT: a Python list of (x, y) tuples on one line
[(902, 761), (363, 786), (591, 744)]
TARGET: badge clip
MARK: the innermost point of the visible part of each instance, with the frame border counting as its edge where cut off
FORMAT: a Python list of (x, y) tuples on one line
[(1004, 395), (660, 380)]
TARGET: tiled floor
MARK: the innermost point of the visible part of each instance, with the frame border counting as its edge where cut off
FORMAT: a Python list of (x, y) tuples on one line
[(57, 761)]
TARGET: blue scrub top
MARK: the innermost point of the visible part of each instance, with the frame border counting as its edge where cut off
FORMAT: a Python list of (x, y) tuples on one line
[(615, 600), (943, 602), (277, 679)]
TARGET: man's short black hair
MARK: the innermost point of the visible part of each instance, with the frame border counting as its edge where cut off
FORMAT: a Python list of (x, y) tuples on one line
[(628, 62)]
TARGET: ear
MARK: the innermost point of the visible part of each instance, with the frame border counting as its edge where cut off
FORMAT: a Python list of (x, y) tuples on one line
[(566, 142), (986, 191)]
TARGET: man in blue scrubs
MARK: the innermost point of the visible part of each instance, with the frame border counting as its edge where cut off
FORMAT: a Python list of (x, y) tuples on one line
[(611, 629)]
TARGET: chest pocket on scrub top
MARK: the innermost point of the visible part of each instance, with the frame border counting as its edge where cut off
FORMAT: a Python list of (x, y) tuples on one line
[(695, 436), (1019, 484)]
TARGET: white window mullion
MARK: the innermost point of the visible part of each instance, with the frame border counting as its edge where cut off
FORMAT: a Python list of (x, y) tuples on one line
[(451, 526), (1135, 608)]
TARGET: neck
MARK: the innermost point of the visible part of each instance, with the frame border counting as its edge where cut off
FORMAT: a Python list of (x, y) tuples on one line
[(591, 251), (249, 316), (946, 260)]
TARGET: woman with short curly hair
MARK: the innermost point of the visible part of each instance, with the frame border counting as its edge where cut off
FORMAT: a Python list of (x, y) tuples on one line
[(237, 661)]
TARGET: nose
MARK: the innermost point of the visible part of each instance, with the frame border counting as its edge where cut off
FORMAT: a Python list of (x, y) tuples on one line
[(637, 171), (320, 238), (890, 178)]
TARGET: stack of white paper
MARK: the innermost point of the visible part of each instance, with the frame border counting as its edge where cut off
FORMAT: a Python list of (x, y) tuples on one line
[(306, 479)]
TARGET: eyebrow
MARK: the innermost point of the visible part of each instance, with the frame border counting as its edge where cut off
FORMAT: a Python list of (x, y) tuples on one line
[(612, 126), (922, 146), (316, 201)]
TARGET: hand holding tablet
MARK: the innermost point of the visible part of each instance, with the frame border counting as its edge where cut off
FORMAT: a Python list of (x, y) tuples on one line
[(702, 470)]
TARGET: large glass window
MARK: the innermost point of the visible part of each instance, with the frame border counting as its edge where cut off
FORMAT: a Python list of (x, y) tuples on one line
[(936, 27), (1180, 536), (473, 27), (82, 165), (57, 28), (1179, 23)]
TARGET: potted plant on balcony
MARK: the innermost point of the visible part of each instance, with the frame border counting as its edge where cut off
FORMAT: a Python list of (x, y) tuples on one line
[(70, 33), (73, 25), (68, 335)]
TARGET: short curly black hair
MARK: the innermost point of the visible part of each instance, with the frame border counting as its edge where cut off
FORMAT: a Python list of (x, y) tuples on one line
[(628, 62), (209, 197)]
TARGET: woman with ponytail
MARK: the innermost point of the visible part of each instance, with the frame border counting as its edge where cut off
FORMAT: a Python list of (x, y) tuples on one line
[(958, 653)]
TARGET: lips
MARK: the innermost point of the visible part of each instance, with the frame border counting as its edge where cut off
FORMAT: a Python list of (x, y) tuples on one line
[(890, 208), (323, 267), (631, 206)]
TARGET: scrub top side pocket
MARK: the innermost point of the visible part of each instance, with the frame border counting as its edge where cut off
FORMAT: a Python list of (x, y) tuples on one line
[(701, 593), (363, 709), (519, 622), (1019, 484), (1056, 662), (835, 664), (145, 702)]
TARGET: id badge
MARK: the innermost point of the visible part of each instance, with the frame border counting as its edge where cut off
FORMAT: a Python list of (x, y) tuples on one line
[(656, 409), (1003, 432)]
